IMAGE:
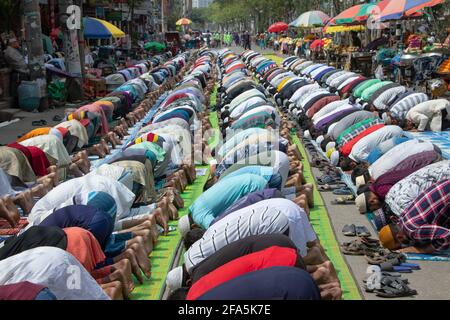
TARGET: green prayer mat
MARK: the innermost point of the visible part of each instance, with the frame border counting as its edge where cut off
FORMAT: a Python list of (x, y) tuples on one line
[(322, 226), (165, 251), (163, 255)]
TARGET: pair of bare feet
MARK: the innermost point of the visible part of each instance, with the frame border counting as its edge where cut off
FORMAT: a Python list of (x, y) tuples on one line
[(24, 200)]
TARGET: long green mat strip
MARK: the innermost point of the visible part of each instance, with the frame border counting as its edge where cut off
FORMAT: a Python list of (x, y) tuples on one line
[(164, 253), (322, 226)]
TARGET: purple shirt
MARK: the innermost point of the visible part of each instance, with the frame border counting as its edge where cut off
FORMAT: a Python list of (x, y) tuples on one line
[(331, 118), (406, 167)]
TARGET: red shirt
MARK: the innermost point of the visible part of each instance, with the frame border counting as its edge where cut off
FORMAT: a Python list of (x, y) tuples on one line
[(270, 257), (320, 104), (347, 148)]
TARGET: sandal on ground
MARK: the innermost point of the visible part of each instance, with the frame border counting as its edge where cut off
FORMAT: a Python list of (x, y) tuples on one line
[(344, 200), (349, 230), (355, 248), (343, 191), (39, 123), (329, 179), (394, 288), (327, 187), (385, 255), (362, 231)]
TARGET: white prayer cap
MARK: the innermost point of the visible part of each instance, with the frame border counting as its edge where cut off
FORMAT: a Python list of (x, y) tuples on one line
[(320, 139), (386, 118), (360, 181), (330, 145), (361, 203), (335, 158), (184, 225), (174, 279), (307, 134)]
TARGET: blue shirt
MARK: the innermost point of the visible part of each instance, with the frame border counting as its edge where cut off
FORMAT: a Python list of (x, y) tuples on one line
[(384, 147), (222, 195)]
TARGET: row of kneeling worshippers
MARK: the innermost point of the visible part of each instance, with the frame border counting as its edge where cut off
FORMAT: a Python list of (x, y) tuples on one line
[(362, 126), (249, 236), (96, 228)]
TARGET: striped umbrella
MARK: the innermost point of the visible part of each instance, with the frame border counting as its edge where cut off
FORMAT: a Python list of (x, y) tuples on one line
[(310, 19), (397, 9), (100, 29), (354, 14)]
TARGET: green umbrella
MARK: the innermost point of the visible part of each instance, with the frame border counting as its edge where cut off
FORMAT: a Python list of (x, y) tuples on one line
[(154, 46)]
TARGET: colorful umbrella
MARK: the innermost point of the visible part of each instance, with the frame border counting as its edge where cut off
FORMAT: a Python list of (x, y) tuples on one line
[(100, 29), (354, 14), (310, 19), (278, 27), (397, 9), (183, 22)]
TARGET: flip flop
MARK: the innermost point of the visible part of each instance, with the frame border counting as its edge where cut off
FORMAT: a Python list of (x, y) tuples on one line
[(394, 288), (344, 200), (362, 231), (329, 179), (57, 118), (349, 230), (386, 266), (39, 123), (344, 191), (327, 187)]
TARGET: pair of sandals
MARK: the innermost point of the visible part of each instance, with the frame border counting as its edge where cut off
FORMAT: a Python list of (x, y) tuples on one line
[(329, 178), (344, 200), (388, 286), (391, 261), (39, 123), (360, 246), (351, 230)]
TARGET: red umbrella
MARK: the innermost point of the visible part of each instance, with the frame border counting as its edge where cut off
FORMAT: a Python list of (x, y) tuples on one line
[(278, 27)]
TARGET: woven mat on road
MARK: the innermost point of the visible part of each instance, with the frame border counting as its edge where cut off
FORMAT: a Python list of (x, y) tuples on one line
[(165, 250)]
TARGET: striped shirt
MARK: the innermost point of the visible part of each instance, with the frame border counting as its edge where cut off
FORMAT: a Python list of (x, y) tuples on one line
[(335, 76), (356, 129), (383, 100), (403, 193), (427, 220), (253, 220), (335, 83), (401, 108)]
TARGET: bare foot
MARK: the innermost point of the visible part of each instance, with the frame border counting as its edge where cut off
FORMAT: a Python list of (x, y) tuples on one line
[(9, 212), (25, 201), (84, 165), (123, 272), (40, 190), (330, 291), (142, 259), (130, 255), (144, 237), (113, 290), (75, 171), (97, 150), (104, 146), (314, 257)]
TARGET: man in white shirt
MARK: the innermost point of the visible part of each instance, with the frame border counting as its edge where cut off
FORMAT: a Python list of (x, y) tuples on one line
[(428, 115)]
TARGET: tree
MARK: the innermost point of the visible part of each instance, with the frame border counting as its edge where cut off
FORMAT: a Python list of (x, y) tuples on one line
[(9, 11)]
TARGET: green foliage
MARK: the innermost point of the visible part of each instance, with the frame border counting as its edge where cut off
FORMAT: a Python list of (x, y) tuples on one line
[(9, 11)]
